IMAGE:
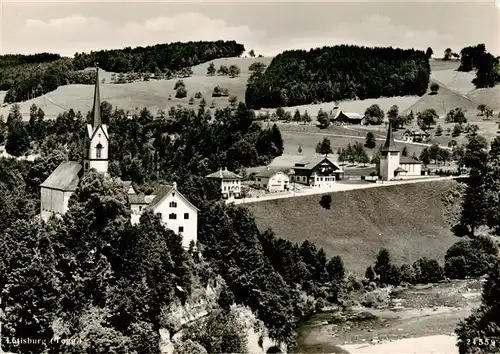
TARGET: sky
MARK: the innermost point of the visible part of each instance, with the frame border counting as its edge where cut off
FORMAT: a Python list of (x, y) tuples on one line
[(67, 27)]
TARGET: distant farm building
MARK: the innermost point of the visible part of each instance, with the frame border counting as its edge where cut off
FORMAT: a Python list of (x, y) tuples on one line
[(337, 115), (415, 135), (230, 183)]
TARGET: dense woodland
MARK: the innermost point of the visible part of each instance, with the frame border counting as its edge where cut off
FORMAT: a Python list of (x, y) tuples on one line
[(298, 77), (27, 77), (486, 65)]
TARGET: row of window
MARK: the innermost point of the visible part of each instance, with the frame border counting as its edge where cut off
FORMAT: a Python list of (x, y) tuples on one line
[(173, 216)]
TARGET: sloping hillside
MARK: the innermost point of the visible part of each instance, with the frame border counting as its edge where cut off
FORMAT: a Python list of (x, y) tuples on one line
[(152, 94), (408, 220), (487, 96), (445, 100)]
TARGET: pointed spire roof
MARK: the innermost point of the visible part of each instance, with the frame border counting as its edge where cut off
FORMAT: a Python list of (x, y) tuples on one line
[(96, 121), (389, 145)]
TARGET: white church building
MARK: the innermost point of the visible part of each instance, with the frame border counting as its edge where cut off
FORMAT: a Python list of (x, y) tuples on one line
[(176, 212), (394, 166)]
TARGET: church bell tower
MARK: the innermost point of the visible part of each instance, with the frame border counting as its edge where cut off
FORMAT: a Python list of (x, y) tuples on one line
[(96, 148), (389, 157)]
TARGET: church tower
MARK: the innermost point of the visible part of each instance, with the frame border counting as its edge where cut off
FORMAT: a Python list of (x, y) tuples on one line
[(389, 157), (96, 148)]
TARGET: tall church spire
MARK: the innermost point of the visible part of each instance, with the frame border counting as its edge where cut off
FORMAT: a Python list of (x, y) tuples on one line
[(389, 145), (96, 122)]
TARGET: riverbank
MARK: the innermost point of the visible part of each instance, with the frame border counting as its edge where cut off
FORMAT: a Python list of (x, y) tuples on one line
[(412, 315)]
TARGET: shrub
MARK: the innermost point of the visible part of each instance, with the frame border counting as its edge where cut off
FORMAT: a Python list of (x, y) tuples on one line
[(407, 274), (198, 95), (427, 271), (326, 201), (178, 84), (378, 298)]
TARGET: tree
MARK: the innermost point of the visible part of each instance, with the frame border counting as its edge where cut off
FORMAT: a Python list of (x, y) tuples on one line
[(323, 119), (456, 115), (488, 113), (429, 52), (181, 92), (447, 54), (374, 115), (233, 100), (296, 116), (370, 141), (363, 158), (257, 67), (370, 274), (481, 108), (427, 117), (439, 130), (191, 100), (478, 333), (306, 118), (427, 271), (434, 88), (211, 69), (18, 140), (404, 152), (326, 201), (425, 156), (223, 70), (382, 265), (234, 71), (178, 84), (324, 147), (251, 53), (393, 113)]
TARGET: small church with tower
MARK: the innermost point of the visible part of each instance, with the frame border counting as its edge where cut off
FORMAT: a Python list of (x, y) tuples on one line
[(176, 211), (394, 166)]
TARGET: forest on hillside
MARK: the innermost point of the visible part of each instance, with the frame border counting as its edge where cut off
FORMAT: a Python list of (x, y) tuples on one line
[(298, 77), (27, 77), (173, 56)]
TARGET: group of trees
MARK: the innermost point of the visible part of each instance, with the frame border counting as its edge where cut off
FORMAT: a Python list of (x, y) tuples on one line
[(435, 153), (353, 153), (486, 65), (232, 71), (298, 77), (26, 77)]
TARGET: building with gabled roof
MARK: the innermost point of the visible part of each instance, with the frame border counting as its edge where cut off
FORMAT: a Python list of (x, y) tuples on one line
[(273, 180), (175, 210), (317, 171), (230, 183), (392, 165), (338, 115)]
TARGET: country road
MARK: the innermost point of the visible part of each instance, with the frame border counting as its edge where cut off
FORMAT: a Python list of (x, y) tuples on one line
[(339, 187)]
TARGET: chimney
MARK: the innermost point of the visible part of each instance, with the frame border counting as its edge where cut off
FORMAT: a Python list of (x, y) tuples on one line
[(225, 168), (175, 185)]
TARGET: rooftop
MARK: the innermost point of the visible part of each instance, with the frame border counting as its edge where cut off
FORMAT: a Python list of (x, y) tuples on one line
[(224, 174), (64, 177), (389, 145), (408, 160)]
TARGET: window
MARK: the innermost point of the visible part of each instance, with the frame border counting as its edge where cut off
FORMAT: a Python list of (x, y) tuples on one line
[(181, 228), (173, 194), (140, 207), (258, 179), (186, 216), (86, 165), (172, 216), (159, 214), (98, 150), (173, 204)]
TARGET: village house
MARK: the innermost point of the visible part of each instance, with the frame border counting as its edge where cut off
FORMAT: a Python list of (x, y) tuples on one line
[(272, 180), (392, 165), (414, 135), (176, 212), (230, 183), (319, 172), (337, 115)]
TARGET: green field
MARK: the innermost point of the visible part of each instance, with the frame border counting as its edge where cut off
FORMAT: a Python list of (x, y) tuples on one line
[(407, 219)]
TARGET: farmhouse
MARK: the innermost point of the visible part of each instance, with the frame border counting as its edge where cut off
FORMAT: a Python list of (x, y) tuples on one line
[(176, 212), (415, 135), (272, 180), (320, 172), (338, 115), (230, 183), (392, 164)]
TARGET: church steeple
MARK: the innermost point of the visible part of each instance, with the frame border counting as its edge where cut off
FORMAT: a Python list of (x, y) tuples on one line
[(389, 145), (96, 121), (97, 141)]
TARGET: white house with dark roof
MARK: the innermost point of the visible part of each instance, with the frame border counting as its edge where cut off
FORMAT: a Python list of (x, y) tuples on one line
[(175, 211), (230, 183), (273, 180), (345, 117), (392, 165)]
